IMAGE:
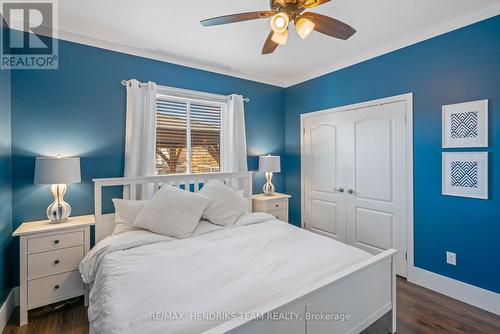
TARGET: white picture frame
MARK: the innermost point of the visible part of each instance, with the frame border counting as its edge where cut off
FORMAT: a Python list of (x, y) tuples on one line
[(465, 124), (465, 174)]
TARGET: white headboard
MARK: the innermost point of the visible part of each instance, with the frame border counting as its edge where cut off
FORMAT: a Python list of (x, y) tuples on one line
[(105, 223)]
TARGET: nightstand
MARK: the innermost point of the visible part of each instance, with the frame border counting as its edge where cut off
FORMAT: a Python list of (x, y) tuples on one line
[(276, 204), (49, 258)]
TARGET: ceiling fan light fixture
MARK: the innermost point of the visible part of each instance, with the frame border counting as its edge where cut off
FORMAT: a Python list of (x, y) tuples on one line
[(280, 13), (304, 27), (280, 39), (279, 22)]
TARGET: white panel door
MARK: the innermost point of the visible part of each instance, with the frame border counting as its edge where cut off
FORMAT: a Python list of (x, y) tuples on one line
[(376, 181), (324, 204), (354, 176)]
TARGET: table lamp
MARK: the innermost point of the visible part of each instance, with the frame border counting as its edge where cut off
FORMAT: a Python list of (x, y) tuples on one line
[(269, 164), (57, 172)]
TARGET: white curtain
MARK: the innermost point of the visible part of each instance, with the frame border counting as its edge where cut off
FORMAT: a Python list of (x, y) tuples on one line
[(234, 145), (140, 136)]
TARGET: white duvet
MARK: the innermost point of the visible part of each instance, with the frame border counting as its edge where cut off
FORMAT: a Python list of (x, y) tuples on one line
[(148, 283)]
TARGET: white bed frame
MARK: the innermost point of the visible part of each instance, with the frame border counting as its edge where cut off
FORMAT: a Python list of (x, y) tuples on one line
[(365, 291)]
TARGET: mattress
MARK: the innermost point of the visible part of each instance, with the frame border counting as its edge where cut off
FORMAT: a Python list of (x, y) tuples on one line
[(148, 283)]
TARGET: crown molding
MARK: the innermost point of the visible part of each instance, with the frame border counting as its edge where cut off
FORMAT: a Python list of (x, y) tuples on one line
[(176, 60), (444, 28), (200, 65)]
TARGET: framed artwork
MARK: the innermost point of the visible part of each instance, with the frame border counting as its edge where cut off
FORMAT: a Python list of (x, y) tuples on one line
[(465, 124), (465, 174)]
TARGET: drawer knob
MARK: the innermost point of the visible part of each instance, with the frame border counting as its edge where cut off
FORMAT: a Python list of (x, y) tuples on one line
[(56, 241), (277, 205), (56, 262), (56, 287)]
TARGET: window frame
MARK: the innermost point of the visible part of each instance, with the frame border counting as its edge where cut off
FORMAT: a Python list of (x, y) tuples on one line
[(192, 97)]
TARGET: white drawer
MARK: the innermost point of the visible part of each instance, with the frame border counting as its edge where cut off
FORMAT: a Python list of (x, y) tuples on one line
[(53, 288), (267, 206), (50, 242), (280, 215), (54, 262), (276, 205)]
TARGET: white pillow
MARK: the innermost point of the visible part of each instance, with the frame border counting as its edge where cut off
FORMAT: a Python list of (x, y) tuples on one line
[(172, 211), (122, 228), (226, 205), (126, 211)]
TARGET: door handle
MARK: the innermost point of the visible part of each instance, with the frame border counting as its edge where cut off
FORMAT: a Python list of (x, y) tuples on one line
[(351, 192), (340, 190)]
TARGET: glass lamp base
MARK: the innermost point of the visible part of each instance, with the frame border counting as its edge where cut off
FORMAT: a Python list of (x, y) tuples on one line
[(268, 188), (59, 211)]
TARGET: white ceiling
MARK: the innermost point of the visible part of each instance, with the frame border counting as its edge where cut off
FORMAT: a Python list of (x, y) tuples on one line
[(170, 30)]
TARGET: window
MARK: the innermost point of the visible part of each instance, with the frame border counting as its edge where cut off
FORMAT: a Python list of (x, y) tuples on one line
[(188, 135)]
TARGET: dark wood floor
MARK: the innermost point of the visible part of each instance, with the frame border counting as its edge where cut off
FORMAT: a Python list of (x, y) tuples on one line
[(420, 311)]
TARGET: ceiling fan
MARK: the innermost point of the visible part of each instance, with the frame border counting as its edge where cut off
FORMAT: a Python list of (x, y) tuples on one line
[(282, 13)]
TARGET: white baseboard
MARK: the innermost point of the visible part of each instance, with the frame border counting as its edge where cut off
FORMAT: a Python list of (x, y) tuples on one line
[(11, 302), (470, 294)]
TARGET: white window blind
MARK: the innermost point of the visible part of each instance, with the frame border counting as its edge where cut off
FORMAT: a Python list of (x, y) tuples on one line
[(188, 135)]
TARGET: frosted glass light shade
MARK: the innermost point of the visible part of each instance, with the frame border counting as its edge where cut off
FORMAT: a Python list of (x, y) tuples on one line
[(57, 170), (279, 22), (269, 163), (280, 39), (304, 27)]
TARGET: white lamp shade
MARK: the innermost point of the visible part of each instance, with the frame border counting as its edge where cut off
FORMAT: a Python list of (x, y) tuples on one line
[(269, 163), (57, 170)]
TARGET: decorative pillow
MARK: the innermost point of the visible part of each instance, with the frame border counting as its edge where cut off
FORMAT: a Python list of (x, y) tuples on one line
[(173, 212), (126, 211), (226, 205), (121, 228)]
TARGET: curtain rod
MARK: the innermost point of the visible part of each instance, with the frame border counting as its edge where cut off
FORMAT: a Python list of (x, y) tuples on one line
[(246, 99)]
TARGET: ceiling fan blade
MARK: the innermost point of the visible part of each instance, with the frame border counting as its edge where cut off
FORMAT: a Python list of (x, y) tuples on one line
[(277, 4), (330, 26), (314, 3), (237, 18), (269, 45)]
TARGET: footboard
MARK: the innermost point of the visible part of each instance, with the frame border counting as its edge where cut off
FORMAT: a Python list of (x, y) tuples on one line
[(347, 302)]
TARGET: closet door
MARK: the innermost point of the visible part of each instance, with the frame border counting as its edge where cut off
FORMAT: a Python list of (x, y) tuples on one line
[(324, 199), (376, 187)]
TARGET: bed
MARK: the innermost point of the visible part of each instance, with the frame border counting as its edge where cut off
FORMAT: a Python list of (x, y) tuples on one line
[(259, 276)]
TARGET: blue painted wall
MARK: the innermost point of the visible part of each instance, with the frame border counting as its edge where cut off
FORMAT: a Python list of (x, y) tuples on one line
[(79, 110), (5, 184), (460, 66)]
